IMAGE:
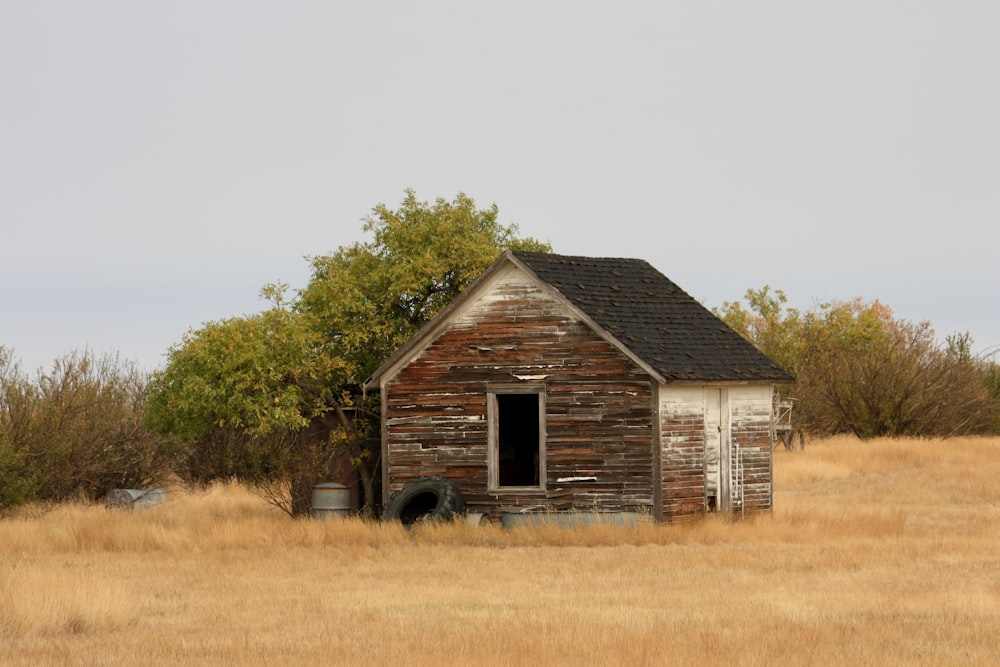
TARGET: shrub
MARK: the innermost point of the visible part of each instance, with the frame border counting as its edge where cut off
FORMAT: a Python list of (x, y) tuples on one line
[(75, 432)]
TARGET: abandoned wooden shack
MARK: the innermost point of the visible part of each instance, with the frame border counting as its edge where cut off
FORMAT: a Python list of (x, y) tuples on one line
[(586, 384)]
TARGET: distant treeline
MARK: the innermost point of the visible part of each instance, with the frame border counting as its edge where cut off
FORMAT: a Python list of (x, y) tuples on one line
[(858, 369), (76, 432)]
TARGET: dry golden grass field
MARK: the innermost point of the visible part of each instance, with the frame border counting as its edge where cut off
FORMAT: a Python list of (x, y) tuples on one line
[(886, 552)]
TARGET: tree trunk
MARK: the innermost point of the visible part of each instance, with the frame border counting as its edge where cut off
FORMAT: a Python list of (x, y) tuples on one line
[(367, 483), (301, 491), (356, 448)]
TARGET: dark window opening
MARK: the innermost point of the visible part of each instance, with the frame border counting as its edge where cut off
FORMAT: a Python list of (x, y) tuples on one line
[(517, 439)]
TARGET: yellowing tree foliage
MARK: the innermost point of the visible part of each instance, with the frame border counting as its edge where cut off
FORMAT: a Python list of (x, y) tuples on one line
[(861, 370), (367, 299)]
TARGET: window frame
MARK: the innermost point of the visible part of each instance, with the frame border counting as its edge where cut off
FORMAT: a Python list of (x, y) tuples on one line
[(493, 426)]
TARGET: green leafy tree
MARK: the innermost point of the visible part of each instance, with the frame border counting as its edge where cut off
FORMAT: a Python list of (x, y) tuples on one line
[(279, 392), (245, 390)]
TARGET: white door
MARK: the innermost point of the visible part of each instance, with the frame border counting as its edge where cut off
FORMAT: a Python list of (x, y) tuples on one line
[(718, 456)]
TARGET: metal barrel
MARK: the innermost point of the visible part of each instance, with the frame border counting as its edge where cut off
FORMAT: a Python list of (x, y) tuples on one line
[(330, 499)]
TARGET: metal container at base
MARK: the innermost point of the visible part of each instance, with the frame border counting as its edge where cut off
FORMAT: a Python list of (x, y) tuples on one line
[(568, 519), (330, 500), (134, 498)]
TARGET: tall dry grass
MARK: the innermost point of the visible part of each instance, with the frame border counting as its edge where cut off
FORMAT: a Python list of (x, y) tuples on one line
[(885, 552)]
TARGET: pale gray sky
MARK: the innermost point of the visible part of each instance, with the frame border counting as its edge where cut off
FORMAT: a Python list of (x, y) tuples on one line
[(161, 161)]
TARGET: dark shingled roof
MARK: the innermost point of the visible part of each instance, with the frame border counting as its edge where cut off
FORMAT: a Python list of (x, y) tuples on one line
[(654, 318)]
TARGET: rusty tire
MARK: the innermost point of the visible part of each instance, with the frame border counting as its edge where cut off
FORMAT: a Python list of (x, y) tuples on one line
[(425, 499)]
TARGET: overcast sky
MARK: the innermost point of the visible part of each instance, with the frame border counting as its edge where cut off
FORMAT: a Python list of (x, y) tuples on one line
[(161, 161)]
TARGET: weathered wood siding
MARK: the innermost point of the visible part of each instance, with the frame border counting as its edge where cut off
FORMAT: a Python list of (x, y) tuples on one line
[(686, 464), (598, 405), (682, 420), (750, 421)]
